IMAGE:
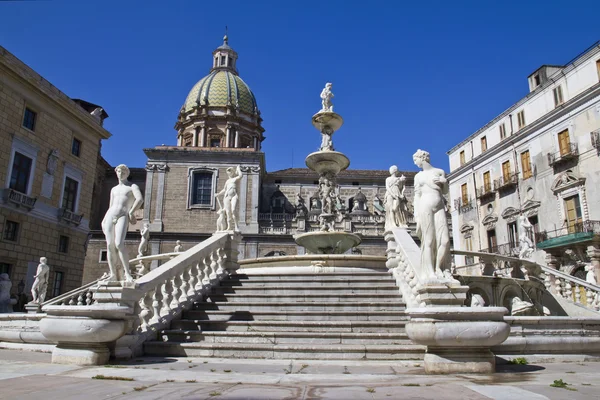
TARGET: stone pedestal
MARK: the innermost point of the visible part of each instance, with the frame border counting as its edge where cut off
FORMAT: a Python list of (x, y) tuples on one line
[(440, 295), (33, 308)]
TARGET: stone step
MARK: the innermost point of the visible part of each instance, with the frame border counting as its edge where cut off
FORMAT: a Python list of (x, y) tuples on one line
[(284, 337), (374, 290), (291, 326), (395, 315), (300, 306), (314, 277), (320, 297), (285, 351), (306, 283)]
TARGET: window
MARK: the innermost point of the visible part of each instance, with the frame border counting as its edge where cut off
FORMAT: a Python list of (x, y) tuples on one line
[(469, 260), (533, 220), (29, 119), (573, 213), (521, 118), (21, 171), (230, 62), (462, 158), (214, 142), (103, 256), (558, 96), (57, 286), (70, 194), (464, 194), (5, 268), (11, 230), (76, 147), (223, 61), (63, 244), (492, 242), (502, 129), (202, 188), (487, 182), (537, 80), (483, 144), (564, 142), (513, 237), (506, 171), (355, 183), (526, 165)]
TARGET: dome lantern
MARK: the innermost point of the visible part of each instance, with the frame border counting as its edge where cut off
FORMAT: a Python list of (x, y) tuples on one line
[(225, 58)]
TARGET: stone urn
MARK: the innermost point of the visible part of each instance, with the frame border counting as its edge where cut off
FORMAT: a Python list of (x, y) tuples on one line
[(83, 333), (458, 339)]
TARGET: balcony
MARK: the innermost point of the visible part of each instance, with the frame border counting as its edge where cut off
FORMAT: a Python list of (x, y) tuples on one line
[(571, 152), (463, 206), (506, 182), (486, 191), (69, 216), (506, 249), (19, 199), (595, 137), (568, 235)]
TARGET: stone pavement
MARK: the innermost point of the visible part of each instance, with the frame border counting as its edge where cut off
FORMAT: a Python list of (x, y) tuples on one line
[(28, 375)]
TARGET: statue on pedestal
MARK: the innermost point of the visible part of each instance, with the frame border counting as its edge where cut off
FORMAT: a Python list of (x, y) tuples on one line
[(178, 247), (525, 234), (145, 234), (430, 215), (395, 200), (6, 302), (326, 96), (230, 197), (40, 283), (125, 198)]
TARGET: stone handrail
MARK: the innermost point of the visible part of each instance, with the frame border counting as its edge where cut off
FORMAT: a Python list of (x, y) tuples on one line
[(403, 256), (571, 288), (501, 265)]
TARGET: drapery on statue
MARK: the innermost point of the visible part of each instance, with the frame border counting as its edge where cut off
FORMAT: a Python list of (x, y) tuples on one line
[(230, 197), (430, 215), (395, 200), (326, 96), (525, 234), (145, 235), (40, 283), (125, 198)]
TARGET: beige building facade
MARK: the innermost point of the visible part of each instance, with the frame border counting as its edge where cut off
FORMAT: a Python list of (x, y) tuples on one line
[(49, 151)]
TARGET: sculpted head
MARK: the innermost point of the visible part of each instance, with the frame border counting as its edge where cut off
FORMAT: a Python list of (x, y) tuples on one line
[(43, 260), (122, 172), (393, 170), (420, 157), (231, 172), (328, 85)]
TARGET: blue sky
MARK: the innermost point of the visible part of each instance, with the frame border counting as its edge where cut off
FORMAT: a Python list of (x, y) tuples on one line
[(406, 75)]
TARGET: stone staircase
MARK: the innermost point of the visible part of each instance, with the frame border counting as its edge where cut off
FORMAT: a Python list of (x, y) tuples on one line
[(300, 316)]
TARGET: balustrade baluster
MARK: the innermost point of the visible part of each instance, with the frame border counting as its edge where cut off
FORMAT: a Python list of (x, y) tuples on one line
[(199, 276), (558, 287), (568, 291), (166, 290), (589, 298), (80, 299), (156, 304), (206, 279), (146, 313), (72, 301), (577, 294), (89, 298), (221, 257), (185, 286), (193, 276), (213, 268), (176, 282)]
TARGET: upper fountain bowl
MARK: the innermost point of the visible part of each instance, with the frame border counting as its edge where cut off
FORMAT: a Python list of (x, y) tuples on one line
[(327, 162), (327, 118)]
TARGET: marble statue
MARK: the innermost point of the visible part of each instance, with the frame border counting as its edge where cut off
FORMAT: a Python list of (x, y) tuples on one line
[(525, 242), (590, 276), (52, 162), (395, 200), (326, 96), (521, 308), (40, 283), (300, 205), (125, 198), (97, 113), (230, 197), (145, 235), (6, 302), (221, 219), (430, 186), (178, 247), (326, 140), (477, 301)]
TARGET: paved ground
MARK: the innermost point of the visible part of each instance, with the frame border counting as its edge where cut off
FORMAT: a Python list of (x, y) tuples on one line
[(27, 375)]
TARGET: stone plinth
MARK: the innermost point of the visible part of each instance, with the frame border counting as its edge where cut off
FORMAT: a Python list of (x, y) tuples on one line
[(439, 295), (458, 339)]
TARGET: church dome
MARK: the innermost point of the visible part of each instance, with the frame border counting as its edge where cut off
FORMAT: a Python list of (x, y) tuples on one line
[(222, 88)]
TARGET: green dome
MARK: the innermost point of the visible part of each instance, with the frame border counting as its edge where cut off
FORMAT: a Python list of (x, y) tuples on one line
[(222, 88)]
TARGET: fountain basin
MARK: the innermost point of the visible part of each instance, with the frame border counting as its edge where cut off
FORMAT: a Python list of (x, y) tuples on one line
[(327, 162), (327, 118), (328, 242)]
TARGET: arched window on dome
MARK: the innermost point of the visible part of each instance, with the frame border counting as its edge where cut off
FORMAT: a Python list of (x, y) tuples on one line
[(188, 139)]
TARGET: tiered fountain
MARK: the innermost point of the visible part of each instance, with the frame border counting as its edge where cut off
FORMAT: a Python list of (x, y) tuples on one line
[(327, 163)]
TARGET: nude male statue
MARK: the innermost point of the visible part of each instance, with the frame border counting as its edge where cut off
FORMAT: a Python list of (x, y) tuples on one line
[(125, 198), (230, 196), (40, 283), (326, 96)]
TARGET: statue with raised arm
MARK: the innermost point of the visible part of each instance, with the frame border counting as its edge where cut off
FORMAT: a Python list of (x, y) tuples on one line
[(40, 283), (145, 235), (230, 197), (430, 215), (326, 96), (395, 200), (525, 234), (125, 198)]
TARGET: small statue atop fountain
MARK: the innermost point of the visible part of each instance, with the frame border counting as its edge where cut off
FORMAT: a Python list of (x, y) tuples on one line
[(326, 96), (125, 199), (327, 195), (395, 200), (430, 215), (525, 234), (178, 247), (40, 283), (230, 197), (326, 140), (145, 235)]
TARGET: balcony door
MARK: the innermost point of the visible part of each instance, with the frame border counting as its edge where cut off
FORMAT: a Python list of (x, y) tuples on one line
[(573, 214), (487, 182), (513, 236), (564, 142), (492, 241)]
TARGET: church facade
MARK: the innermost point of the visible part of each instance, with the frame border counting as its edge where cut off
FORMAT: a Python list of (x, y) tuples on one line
[(218, 127)]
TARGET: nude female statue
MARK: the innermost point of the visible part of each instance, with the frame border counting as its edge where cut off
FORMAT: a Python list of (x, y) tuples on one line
[(430, 216), (40, 283), (125, 198), (230, 196), (395, 207)]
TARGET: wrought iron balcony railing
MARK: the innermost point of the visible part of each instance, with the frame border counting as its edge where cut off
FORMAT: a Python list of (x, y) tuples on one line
[(69, 216), (463, 206), (569, 153), (19, 199), (595, 137), (506, 182), (592, 227), (486, 190), (506, 249)]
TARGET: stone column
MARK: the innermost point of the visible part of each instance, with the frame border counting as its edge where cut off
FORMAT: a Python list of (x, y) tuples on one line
[(150, 168), (195, 139), (237, 139), (255, 143), (157, 224), (593, 252), (228, 136), (202, 136)]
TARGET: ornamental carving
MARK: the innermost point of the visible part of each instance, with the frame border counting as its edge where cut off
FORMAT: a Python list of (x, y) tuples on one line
[(466, 230), (490, 221), (510, 214), (250, 169), (567, 180)]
